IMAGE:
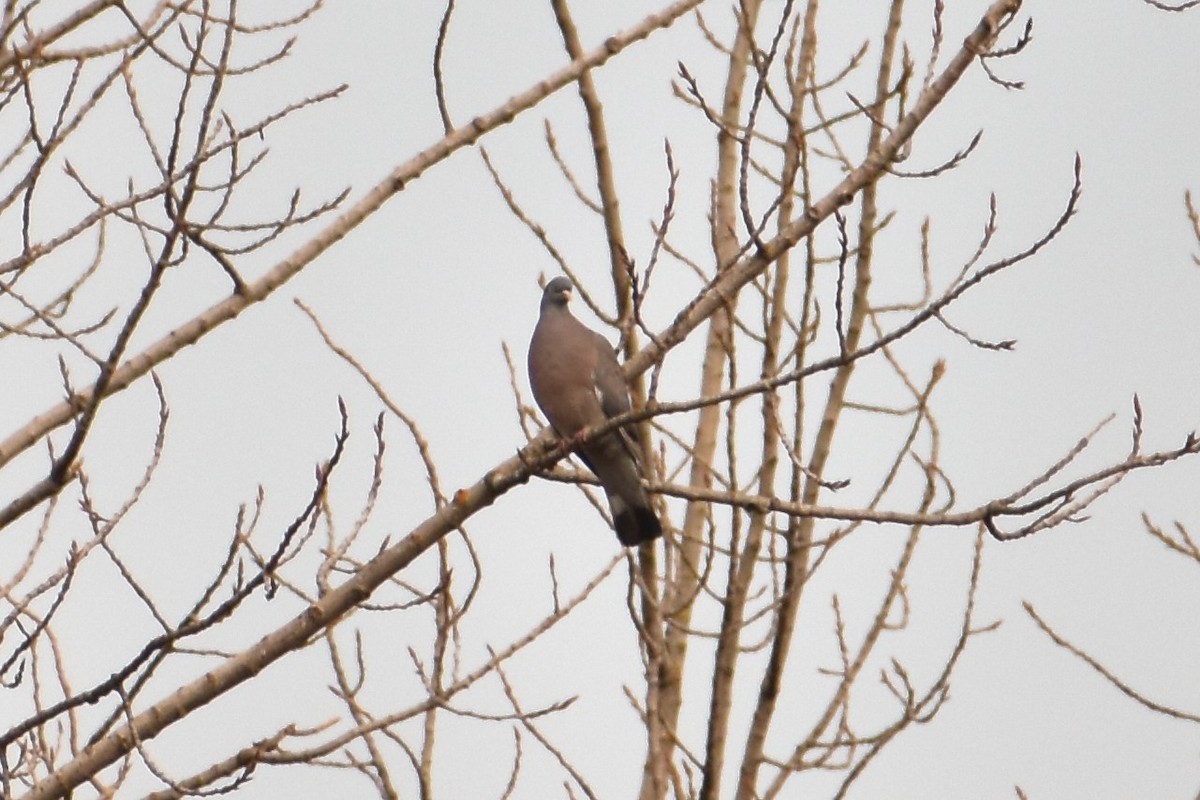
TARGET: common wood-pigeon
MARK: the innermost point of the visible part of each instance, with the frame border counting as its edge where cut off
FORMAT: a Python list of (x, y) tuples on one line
[(578, 384)]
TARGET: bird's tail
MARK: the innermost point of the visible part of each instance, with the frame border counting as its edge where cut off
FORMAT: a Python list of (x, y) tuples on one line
[(636, 524)]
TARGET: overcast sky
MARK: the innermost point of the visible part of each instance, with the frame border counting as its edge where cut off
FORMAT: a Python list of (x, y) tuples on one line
[(426, 292)]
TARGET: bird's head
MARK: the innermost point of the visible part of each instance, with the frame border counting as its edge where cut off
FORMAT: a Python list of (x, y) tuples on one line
[(557, 293)]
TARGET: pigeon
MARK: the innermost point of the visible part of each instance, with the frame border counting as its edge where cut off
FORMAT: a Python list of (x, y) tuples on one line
[(578, 384)]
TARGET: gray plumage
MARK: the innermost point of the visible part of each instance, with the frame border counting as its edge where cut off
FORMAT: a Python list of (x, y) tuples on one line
[(578, 383)]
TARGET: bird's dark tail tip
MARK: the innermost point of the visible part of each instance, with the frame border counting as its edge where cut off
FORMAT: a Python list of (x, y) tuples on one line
[(637, 525)]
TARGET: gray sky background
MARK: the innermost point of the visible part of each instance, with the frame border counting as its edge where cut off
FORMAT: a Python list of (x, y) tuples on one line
[(426, 291)]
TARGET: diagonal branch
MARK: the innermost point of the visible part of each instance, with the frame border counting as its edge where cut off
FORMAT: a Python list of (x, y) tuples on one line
[(192, 331), (1107, 674)]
